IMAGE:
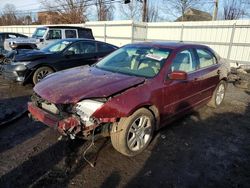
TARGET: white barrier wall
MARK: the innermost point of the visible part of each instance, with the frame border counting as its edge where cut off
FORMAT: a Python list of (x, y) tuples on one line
[(231, 39)]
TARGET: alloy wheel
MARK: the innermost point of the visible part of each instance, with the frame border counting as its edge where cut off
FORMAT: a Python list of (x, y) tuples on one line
[(139, 133), (220, 94), (42, 74)]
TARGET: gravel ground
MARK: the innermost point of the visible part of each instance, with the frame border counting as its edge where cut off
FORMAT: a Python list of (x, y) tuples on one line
[(209, 148)]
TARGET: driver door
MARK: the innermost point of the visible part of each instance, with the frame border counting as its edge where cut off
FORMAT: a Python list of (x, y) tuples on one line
[(181, 96)]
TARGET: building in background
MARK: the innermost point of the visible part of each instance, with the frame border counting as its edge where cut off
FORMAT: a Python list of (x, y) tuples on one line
[(48, 17), (194, 15)]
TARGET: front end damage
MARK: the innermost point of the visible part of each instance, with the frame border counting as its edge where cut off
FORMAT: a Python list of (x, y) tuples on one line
[(14, 72), (72, 120)]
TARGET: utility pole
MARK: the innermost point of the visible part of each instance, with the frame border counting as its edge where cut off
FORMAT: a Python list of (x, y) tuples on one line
[(216, 5), (145, 11)]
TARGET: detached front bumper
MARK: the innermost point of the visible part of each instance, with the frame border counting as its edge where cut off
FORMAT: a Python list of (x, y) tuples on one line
[(14, 72), (64, 125)]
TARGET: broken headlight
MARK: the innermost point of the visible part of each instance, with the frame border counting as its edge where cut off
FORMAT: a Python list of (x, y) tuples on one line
[(86, 108)]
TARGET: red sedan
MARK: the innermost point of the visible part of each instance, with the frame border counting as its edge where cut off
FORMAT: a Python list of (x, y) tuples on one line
[(131, 93)]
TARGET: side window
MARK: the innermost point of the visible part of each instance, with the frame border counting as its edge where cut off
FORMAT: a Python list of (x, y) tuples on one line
[(70, 33), (184, 61), (54, 34), (206, 58), (82, 33), (102, 47), (83, 47)]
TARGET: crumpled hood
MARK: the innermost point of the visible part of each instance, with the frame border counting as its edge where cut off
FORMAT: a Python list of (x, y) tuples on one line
[(30, 55), (73, 85)]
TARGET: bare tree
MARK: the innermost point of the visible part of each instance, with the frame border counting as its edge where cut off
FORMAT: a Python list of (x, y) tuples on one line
[(69, 11), (27, 19), (177, 8), (9, 16), (131, 11), (235, 9), (104, 10), (153, 14)]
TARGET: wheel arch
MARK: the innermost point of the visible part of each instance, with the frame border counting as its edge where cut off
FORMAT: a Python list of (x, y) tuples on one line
[(225, 79), (33, 70), (43, 65), (153, 109)]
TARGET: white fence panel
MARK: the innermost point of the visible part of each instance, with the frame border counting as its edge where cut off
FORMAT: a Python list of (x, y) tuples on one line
[(231, 39)]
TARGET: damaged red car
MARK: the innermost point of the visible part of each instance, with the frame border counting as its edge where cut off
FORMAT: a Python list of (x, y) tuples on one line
[(130, 93)]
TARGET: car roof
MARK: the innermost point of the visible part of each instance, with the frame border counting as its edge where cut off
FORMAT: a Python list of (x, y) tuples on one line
[(84, 39), (168, 45), (64, 27), (78, 39)]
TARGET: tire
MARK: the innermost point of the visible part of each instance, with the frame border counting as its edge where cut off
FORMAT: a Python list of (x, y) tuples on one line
[(218, 95), (127, 131), (41, 73)]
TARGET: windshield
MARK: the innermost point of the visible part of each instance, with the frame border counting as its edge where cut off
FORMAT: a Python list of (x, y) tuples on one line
[(39, 33), (57, 46), (135, 60)]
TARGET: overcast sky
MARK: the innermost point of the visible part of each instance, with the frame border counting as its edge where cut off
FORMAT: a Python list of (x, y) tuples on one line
[(21, 4)]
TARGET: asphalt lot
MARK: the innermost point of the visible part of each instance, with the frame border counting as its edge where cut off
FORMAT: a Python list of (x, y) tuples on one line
[(209, 148)]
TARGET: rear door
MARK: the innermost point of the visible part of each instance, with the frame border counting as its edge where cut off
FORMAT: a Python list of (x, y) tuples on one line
[(209, 71), (84, 53), (182, 95)]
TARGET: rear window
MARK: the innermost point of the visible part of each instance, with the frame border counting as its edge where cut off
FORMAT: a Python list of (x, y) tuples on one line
[(82, 33), (102, 47), (206, 58)]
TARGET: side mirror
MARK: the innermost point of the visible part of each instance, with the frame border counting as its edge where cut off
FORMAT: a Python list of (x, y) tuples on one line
[(41, 40), (178, 75), (69, 53)]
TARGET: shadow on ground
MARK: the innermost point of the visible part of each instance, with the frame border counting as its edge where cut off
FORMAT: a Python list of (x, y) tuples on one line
[(193, 152), (213, 152)]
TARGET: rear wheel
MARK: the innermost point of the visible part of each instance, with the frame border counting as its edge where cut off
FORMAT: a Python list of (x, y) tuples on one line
[(218, 95), (133, 134), (41, 73)]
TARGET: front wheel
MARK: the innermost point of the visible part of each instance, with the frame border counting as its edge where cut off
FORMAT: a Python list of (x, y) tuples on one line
[(41, 73), (218, 95), (133, 134)]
